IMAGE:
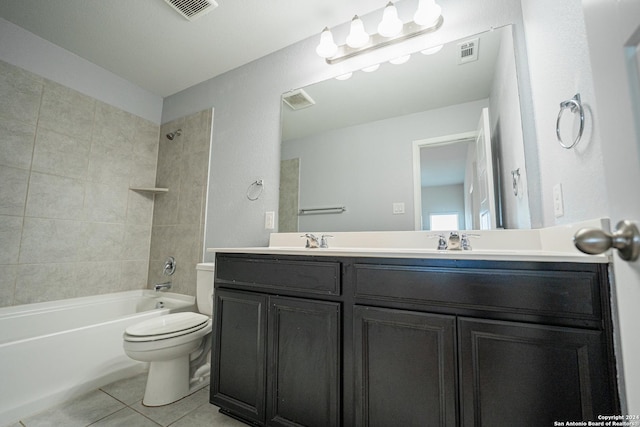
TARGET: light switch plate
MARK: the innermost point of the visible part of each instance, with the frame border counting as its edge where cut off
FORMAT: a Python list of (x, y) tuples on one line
[(269, 220), (398, 208)]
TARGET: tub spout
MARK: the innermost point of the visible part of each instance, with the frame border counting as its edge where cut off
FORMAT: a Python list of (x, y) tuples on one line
[(162, 286)]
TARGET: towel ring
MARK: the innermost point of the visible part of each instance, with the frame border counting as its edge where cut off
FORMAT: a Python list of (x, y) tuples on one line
[(255, 189), (574, 104)]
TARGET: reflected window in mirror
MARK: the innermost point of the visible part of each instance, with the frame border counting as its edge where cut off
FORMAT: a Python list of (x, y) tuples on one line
[(443, 221)]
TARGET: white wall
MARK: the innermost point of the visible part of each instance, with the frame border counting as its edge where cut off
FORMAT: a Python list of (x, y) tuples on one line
[(246, 129), (368, 167), (508, 139), (559, 68), (23, 49)]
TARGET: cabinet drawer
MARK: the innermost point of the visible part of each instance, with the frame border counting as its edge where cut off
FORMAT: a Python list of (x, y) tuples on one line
[(310, 277), (567, 294)]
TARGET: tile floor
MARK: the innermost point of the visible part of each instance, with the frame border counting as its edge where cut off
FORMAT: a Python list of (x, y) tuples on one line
[(120, 404)]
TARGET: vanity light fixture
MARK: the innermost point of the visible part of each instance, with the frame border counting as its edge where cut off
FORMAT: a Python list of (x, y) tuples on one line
[(327, 46), (391, 30), (428, 13), (357, 37), (390, 25)]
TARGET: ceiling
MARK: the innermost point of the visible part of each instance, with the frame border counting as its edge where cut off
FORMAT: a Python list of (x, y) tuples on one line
[(149, 44)]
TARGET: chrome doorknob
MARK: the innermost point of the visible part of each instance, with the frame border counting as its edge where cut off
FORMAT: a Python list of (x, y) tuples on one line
[(626, 239)]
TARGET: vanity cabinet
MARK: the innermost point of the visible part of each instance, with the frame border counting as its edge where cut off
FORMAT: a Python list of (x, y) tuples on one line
[(277, 359), (522, 374), (303, 374), (319, 340), (239, 363), (518, 343), (405, 368)]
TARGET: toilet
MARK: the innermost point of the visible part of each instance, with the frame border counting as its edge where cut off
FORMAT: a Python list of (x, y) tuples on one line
[(177, 346)]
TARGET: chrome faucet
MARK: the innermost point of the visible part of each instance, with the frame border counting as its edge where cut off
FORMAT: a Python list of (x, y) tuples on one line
[(324, 243), (162, 286), (312, 241), (454, 241), (465, 241)]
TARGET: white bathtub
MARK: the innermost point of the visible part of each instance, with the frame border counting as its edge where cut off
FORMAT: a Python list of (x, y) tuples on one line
[(53, 351)]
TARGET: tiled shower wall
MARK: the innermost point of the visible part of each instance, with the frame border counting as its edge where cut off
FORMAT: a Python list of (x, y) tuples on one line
[(69, 225), (179, 215)]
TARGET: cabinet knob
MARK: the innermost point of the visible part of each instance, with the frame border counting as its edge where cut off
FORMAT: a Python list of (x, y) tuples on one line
[(626, 239)]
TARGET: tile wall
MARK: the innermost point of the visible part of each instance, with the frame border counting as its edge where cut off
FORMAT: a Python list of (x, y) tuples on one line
[(179, 215), (69, 225)]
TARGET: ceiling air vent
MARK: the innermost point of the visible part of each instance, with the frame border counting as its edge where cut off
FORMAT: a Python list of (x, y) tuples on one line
[(468, 51), (298, 99), (192, 9)]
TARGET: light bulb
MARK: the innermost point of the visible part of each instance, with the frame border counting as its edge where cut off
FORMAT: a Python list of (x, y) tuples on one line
[(428, 13), (390, 24), (371, 68), (327, 47), (344, 76), (357, 37)]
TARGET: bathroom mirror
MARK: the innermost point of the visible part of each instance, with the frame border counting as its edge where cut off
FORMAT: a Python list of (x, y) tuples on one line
[(354, 152)]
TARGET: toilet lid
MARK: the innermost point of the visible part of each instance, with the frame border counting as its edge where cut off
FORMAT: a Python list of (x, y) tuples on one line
[(168, 324)]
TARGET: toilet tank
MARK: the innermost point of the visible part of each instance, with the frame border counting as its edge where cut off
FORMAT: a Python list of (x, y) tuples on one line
[(204, 287)]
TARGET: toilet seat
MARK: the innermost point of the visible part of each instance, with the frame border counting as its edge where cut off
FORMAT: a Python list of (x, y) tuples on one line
[(165, 327)]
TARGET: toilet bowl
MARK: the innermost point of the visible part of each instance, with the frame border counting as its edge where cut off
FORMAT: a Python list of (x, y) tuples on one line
[(176, 346)]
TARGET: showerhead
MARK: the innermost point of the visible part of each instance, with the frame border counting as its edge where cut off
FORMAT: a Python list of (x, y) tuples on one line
[(173, 134)]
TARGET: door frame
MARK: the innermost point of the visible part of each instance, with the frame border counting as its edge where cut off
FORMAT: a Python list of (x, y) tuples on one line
[(417, 181)]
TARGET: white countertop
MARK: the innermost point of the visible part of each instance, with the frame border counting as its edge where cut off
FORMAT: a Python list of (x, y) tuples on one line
[(554, 244), (488, 255)]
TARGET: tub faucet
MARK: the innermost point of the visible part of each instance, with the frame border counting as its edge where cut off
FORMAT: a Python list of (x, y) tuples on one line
[(162, 286)]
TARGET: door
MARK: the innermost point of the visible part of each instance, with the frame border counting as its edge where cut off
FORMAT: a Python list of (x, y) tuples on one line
[(404, 368), (517, 374), (613, 32), (238, 356), (485, 191), (303, 387)]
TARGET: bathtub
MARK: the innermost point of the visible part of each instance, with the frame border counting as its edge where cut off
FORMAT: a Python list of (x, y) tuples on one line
[(53, 351)]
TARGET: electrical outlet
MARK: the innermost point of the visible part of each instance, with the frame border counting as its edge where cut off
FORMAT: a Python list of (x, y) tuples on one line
[(558, 202), (269, 220), (398, 208)]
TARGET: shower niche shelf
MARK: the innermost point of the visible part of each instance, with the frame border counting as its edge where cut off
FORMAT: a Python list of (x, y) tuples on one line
[(152, 190)]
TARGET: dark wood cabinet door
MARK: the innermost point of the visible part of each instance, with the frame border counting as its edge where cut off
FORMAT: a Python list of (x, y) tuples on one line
[(304, 363), (531, 375), (238, 357), (405, 368)]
